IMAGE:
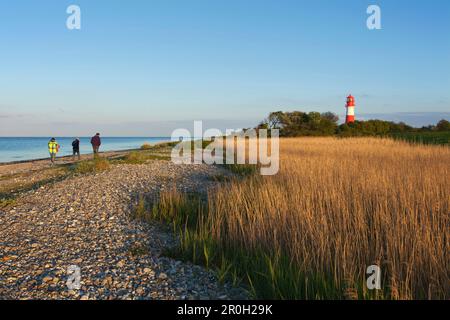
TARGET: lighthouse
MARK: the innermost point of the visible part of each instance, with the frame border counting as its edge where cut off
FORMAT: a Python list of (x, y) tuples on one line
[(350, 117)]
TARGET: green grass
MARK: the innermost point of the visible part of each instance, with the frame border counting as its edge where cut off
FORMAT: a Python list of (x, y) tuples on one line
[(6, 202), (434, 137), (192, 144), (158, 146), (267, 274), (242, 170), (140, 157), (164, 145), (135, 157), (221, 178), (99, 164), (146, 146), (171, 208)]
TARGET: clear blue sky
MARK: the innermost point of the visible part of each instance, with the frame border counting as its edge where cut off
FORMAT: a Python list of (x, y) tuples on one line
[(159, 63)]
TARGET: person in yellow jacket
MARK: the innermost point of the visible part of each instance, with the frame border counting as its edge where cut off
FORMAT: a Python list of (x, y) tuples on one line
[(53, 148)]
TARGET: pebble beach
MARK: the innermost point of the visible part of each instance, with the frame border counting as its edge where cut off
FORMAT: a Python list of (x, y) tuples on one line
[(84, 220)]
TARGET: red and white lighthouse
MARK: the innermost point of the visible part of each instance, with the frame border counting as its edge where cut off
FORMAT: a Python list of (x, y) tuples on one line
[(350, 117)]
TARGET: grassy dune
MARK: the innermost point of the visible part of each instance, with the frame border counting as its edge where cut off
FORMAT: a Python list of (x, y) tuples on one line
[(336, 207)]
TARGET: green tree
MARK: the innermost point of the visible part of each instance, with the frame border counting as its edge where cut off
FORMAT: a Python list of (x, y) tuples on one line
[(443, 125)]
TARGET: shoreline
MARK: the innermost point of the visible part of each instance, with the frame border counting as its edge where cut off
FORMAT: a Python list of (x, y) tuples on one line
[(23, 156), (83, 155), (34, 165), (65, 157)]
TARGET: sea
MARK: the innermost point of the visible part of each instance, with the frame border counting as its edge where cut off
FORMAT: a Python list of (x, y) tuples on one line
[(20, 149)]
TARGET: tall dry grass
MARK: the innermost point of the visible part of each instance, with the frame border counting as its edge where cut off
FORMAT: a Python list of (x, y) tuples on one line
[(338, 206)]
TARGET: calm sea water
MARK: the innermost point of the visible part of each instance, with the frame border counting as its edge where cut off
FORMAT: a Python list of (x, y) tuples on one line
[(17, 149)]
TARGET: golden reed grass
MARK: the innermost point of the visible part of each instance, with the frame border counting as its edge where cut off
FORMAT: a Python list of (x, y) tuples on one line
[(339, 205)]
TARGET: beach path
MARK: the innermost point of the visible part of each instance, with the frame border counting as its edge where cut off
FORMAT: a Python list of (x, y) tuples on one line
[(84, 221)]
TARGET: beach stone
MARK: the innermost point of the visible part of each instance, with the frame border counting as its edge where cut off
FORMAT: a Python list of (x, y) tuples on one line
[(162, 276), (148, 270)]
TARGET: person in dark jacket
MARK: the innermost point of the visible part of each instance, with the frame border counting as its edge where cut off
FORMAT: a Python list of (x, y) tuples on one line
[(96, 142), (76, 148)]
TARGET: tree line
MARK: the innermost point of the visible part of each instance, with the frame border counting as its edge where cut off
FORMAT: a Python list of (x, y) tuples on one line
[(298, 123)]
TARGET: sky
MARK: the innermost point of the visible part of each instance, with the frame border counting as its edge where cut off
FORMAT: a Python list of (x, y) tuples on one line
[(144, 68)]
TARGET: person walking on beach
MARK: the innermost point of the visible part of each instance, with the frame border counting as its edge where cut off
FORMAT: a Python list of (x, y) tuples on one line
[(53, 148), (76, 148), (96, 142)]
